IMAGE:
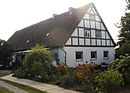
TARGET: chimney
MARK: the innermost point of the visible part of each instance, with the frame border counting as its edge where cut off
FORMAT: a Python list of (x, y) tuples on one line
[(71, 10), (54, 15)]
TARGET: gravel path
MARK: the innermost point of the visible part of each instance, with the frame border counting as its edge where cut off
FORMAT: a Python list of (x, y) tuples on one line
[(11, 87)]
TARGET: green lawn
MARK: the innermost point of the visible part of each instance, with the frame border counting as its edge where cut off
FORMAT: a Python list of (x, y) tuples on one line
[(4, 90), (5, 72), (24, 87)]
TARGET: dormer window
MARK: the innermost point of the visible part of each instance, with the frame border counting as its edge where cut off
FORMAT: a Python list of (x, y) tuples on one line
[(70, 10), (27, 41), (2, 43), (47, 34)]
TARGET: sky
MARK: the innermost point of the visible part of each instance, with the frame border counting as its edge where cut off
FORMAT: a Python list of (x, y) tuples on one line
[(18, 14)]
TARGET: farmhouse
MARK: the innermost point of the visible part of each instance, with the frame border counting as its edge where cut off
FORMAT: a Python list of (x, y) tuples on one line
[(77, 36)]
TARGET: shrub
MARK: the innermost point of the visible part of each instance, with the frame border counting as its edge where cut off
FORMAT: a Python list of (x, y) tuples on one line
[(122, 65), (83, 70), (37, 64), (19, 73), (108, 81), (36, 69)]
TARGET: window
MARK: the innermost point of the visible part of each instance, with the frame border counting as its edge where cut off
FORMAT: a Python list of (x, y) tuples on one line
[(55, 55), (98, 34), (92, 24), (93, 55), (87, 23), (97, 25), (106, 54), (87, 33), (81, 32), (79, 56)]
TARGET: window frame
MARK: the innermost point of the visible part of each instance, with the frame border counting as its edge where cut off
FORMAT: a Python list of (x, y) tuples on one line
[(56, 56), (106, 58), (87, 33), (77, 58), (97, 34), (94, 58)]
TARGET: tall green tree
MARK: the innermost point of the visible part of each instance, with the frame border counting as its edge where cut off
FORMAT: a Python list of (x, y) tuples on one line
[(128, 4), (124, 34), (5, 53)]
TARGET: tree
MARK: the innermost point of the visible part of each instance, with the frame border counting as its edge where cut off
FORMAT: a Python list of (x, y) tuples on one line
[(5, 53), (122, 65), (108, 81), (124, 34), (128, 4)]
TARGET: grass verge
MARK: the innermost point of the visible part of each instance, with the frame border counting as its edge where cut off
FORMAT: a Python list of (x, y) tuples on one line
[(24, 87), (5, 72), (4, 90)]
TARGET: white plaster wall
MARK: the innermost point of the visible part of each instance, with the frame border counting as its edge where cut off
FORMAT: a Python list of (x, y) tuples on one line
[(103, 34), (61, 55), (71, 60), (68, 42)]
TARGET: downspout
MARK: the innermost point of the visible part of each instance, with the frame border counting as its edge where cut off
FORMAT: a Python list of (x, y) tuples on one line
[(65, 55)]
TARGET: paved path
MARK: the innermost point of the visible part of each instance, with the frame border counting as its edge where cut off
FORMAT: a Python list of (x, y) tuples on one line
[(38, 85), (11, 87)]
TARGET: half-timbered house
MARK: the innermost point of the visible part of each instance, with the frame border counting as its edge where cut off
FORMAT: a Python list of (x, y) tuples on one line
[(78, 36)]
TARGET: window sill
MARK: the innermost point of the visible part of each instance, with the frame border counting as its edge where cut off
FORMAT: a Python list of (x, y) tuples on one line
[(93, 59), (79, 60), (106, 58)]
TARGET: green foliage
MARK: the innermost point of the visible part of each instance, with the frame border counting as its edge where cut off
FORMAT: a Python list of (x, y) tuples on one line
[(5, 72), (4, 90), (122, 65), (24, 87), (78, 78), (19, 73), (124, 36), (37, 65), (5, 53), (128, 4), (108, 81)]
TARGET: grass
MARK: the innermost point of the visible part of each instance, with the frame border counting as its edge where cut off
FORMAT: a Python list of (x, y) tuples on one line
[(24, 87), (5, 72), (4, 90)]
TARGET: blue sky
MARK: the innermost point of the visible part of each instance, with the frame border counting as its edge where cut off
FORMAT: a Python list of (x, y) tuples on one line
[(18, 14)]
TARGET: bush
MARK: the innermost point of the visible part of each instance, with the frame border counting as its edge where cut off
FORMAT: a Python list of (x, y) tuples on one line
[(36, 69), (19, 73), (122, 65), (83, 70), (78, 78), (108, 81), (37, 64)]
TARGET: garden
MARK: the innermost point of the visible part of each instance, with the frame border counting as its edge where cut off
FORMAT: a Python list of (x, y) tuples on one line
[(90, 78)]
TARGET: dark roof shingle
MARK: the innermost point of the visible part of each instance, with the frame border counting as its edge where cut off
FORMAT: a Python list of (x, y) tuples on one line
[(51, 32)]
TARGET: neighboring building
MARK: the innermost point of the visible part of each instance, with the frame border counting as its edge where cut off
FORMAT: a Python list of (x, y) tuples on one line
[(77, 36)]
